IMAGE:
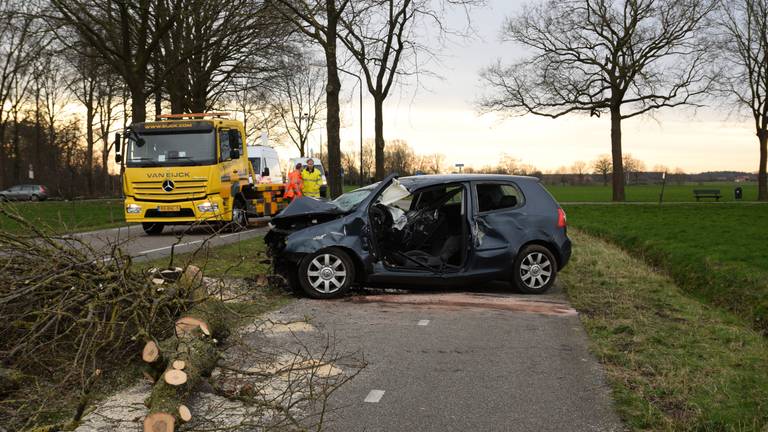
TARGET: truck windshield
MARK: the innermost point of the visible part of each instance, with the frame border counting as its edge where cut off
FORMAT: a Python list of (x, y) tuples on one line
[(169, 149)]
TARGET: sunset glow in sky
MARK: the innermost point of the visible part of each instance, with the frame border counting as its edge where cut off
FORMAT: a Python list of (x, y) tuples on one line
[(441, 116)]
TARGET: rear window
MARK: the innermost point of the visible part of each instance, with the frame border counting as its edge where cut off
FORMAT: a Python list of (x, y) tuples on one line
[(496, 196)]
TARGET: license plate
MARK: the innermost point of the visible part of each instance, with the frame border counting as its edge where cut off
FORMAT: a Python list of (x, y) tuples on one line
[(169, 208)]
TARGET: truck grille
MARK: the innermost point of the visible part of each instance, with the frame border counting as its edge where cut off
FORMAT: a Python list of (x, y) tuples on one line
[(183, 190)]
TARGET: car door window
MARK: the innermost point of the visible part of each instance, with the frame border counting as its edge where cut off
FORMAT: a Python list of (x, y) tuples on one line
[(496, 196)]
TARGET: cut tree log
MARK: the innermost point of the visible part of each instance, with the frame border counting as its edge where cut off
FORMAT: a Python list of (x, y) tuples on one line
[(156, 357), (178, 364), (199, 354), (184, 413), (212, 317)]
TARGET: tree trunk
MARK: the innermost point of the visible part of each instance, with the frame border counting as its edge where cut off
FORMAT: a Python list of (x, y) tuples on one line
[(332, 90), (378, 103), (762, 178), (138, 102), (618, 165), (16, 141), (89, 142)]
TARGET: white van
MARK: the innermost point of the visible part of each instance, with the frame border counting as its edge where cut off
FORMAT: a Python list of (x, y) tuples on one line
[(318, 166), (266, 164)]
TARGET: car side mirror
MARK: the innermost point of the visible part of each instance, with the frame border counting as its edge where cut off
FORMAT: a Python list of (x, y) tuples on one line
[(265, 172), (234, 154)]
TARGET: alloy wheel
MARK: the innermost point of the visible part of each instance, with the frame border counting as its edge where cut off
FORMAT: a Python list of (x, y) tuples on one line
[(327, 273), (535, 270)]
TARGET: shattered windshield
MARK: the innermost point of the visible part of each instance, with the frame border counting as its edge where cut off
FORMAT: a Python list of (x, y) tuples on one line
[(350, 200), (168, 149)]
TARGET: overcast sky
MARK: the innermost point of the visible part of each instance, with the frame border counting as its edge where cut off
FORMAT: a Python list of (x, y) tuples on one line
[(440, 116)]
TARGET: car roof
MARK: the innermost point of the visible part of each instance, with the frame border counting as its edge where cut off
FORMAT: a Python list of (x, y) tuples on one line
[(438, 179)]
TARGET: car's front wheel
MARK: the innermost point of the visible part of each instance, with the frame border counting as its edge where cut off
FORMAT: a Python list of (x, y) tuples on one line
[(535, 269), (326, 274)]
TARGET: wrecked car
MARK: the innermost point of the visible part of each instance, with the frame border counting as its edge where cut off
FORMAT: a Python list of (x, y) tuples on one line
[(438, 230)]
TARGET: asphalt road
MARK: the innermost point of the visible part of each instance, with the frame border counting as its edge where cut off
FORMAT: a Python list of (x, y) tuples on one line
[(485, 360), (133, 241)]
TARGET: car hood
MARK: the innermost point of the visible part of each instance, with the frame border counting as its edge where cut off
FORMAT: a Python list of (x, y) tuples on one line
[(306, 206)]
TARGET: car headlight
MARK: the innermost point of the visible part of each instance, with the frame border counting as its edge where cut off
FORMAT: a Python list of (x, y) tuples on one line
[(208, 207), (133, 208)]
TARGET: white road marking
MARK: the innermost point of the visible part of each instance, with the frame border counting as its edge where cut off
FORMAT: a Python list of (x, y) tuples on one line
[(168, 247), (423, 322), (374, 396)]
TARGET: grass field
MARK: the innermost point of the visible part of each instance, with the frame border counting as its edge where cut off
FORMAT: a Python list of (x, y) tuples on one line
[(674, 363), (650, 193), (67, 216), (241, 259), (717, 252)]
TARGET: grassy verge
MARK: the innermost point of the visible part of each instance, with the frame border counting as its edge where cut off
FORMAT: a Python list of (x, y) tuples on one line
[(674, 363), (235, 260), (715, 252), (67, 216), (649, 193)]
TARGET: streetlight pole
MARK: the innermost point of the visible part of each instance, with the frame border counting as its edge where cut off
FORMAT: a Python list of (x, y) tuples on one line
[(361, 122)]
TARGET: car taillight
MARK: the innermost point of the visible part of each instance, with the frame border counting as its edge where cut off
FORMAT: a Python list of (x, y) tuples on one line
[(561, 220)]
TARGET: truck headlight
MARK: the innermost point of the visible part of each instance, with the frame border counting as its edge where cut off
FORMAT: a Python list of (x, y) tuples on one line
[(208, 207), (133, 209)]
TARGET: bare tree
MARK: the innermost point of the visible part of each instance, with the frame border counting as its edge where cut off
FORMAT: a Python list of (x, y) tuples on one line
[(632, 167), (319, 21), (21, 42), (380, 36), (124, 34), (744, 49), (300, 94), (603, 166), (579, 168), (625, 57), (212, 43)]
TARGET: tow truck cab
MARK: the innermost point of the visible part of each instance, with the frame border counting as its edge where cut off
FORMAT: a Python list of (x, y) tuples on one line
[(190, 168)]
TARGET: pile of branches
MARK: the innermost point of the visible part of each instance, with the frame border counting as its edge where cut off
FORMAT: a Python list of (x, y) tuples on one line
[(69, 314)]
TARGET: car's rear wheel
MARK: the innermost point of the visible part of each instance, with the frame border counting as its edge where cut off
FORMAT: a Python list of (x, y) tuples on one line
[(34, 198), (153, 228), (326, 274), (535, 269)]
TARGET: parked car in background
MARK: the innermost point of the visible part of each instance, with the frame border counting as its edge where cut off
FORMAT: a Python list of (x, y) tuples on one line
[(27, 192), (423, 230), (318, 166)]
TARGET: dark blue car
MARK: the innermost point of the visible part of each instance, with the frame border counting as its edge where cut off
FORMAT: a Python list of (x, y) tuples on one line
[(423, 230)]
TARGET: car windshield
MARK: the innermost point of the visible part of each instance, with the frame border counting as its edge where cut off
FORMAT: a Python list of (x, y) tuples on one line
[(350, 200), (169, 149)]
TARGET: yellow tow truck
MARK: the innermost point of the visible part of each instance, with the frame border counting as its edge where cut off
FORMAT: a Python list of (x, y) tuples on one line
[(192, 168)]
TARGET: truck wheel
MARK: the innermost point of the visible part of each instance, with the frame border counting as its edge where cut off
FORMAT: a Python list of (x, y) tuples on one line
[(326, 274), (153, 228), (239, 217)]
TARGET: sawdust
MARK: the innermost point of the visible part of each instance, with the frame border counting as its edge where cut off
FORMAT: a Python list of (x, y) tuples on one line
[(464, 300)]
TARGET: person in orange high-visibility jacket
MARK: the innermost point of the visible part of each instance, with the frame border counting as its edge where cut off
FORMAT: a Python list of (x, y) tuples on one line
[(312, 180), (295, 183)]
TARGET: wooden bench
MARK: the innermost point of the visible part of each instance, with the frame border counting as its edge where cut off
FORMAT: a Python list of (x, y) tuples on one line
[(707, 193)]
